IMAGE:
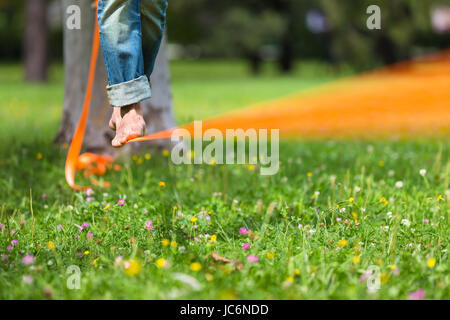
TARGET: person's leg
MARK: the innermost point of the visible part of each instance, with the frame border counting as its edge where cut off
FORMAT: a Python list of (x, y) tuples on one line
[(121, 42), (153, 20)]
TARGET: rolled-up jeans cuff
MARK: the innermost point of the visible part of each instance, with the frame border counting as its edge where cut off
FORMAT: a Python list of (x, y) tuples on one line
[(126, 93)]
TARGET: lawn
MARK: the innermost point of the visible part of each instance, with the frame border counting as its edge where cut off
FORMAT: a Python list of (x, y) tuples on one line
[(335, 210)]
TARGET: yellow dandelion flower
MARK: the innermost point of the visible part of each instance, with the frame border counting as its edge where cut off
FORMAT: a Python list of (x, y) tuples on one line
[(132, 267), (140, 160), (95, 262), (251, 167), (355, 215), (39, 156), (148, 156), (195, 266), (213, 162), (161, 263), (165, 242), (309, 174), (351, 199), (297, 272), (165, 153), (439, 197), (134, 157), (381, 163), (175, 208), (106, 207), (384, 277), (290, 278), (392, 267), (162, 184), (213, 238), (51, 245), (342, 242), (194, 219), (174, 244), (270, 255), (86, 252), (431, 262), (356, 259)]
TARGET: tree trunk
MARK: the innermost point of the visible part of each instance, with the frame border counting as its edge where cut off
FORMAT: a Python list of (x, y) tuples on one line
[(255, 63), (286, 59), (36, 40), (158, 111)]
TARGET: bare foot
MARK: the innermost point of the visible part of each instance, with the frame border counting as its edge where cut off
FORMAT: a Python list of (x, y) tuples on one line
[(128, 123)]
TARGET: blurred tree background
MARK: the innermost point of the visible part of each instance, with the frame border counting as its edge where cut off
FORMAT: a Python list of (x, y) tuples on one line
[(283, 31)]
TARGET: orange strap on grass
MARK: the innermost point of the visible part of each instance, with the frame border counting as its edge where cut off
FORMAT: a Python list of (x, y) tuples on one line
[(408, 99), (72, 159)]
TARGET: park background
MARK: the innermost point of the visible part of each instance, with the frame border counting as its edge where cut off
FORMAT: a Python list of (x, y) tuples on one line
[(313, 230)]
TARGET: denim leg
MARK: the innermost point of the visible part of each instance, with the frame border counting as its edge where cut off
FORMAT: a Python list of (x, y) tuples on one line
[(121, 42), (153, 17)]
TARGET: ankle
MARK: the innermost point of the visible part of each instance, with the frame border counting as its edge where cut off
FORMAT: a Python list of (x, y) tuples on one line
[(135, 107)]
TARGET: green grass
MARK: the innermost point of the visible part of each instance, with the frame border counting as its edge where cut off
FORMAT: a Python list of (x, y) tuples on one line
[(317, 180)]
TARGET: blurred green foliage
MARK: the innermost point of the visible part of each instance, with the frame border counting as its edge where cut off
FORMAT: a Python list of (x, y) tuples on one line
[(12, 29), (246, 28)]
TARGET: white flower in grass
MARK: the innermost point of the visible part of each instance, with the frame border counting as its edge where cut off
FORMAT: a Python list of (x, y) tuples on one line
[(189, 280), (311, 232), (423, 172), (389, 214), (406, 222), (357, 189), (391, 173), (399, 184), (385, 228)]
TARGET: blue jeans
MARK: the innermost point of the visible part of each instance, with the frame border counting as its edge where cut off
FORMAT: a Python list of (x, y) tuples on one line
[(130, 36)]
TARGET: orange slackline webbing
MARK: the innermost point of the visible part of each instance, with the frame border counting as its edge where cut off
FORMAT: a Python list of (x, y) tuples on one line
[(72, 160), (407, 99)]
